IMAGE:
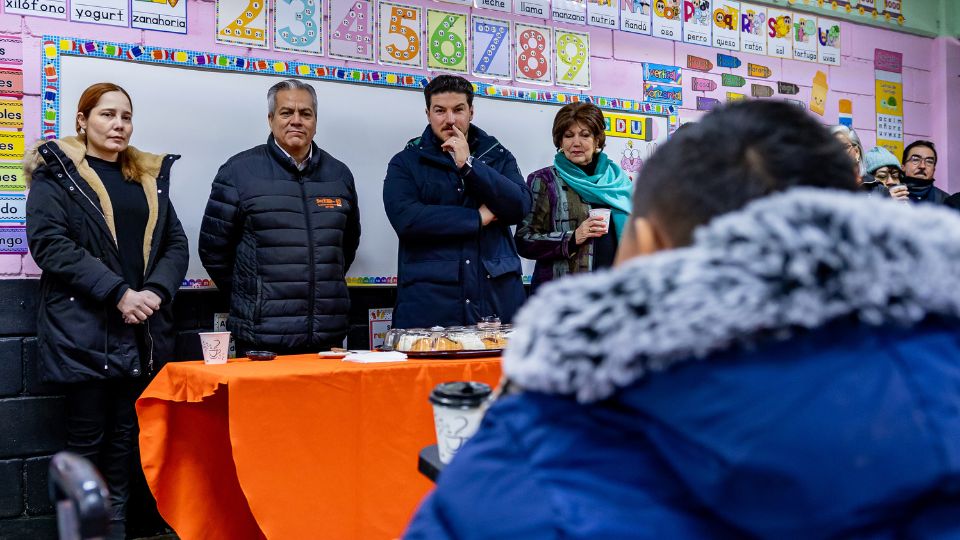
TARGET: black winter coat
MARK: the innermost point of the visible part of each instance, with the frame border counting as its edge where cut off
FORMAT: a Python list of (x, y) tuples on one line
[(280, 240), (451, 270), (70, 229)]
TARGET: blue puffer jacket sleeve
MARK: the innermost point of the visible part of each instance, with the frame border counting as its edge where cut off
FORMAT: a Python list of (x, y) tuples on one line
[(219, 233), (505, 194), (416, 220)]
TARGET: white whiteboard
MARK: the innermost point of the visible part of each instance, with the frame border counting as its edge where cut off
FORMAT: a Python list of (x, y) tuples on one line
[(207, 116)]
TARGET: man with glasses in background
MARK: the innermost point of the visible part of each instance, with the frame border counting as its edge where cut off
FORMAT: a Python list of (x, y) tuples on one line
[(919, 165)]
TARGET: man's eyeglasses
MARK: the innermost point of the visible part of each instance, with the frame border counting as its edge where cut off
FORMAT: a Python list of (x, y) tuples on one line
[(916, 160)]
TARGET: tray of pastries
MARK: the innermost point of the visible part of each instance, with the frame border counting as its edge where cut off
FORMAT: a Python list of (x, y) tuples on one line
[(449, 342)]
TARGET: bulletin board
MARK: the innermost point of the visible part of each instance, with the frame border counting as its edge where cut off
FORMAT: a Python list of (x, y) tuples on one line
[(208, 107)]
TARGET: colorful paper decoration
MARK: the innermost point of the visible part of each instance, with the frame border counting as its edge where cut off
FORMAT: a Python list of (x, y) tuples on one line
[(888, 72), (698, 84), (11, 49), (735, 96), (11, 177), (662, 93), (697, 21), (805, 38), (572, 58), (296, 26), (569, 11), (707, 103), (11, 113), (533, 54), (779, 33), (726, 24), (753, 29), (666, 19), (11, 82), (351, 30), (159, 15), (756, 70), (491, 48), (400, 29), (242, 22), (662, 73), (728, 61), (818, 94), (760, 90), (828, 42), (13, 240), (635, 16), (788, 89), (729, 79), (604, 13), (11, 143), (845, 110), (699, 64), (13, 208), (447, 41)]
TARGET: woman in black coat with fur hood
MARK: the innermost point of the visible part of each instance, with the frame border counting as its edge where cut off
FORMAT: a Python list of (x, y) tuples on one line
[(113, 253)]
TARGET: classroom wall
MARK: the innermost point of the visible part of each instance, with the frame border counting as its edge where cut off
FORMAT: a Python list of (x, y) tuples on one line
[(616, 70)]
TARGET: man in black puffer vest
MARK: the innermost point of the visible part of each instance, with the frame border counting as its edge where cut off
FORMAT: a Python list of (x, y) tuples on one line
[(280, 230)]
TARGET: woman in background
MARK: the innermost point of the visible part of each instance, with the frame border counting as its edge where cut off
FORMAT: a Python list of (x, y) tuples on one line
[(885, 168), (101, 227), (559, 233), (851, 143)]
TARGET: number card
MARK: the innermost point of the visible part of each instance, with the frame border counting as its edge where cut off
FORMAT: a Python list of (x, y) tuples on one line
[(296, 26), (828, 36), (805, 38), (491, 48), (533, 54), (570, 11), (350, 33), (635, 16), (726, 24), (753, 29), (447, 45), (160, 15), (697, 22), (573, 58), (242, 22), (779, 33), (400, 29), (603, 13), (666, 19)]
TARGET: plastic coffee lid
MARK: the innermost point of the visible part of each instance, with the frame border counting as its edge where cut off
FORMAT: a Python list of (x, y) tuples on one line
[(460, 395)]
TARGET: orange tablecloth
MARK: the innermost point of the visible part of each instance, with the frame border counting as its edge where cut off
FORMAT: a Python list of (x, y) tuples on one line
[(297, 448)]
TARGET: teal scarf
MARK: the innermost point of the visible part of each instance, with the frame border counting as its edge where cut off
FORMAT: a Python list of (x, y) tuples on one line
[(609, 185)]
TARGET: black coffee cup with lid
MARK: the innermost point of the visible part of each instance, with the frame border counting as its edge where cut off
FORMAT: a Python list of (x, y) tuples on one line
[(460, 394)]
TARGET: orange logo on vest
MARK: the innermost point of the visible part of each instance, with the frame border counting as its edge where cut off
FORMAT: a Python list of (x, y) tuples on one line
[(329, 202)]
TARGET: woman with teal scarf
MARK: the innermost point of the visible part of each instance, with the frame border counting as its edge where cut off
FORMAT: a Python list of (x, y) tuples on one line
[(559, 233)]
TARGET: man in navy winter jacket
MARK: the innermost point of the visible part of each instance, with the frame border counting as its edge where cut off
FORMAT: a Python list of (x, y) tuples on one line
[(452, 195)]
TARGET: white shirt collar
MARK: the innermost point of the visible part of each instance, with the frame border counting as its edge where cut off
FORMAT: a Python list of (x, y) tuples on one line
[(303, 164)]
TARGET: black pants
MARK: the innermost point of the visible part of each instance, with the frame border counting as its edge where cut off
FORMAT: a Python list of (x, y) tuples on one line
[(102, 427)]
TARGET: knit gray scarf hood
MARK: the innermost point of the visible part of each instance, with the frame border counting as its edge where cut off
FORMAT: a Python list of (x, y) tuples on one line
[(789, 262)]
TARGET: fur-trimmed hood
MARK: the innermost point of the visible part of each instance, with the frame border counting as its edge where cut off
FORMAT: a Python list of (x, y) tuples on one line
[(789, 262), (76, 150)]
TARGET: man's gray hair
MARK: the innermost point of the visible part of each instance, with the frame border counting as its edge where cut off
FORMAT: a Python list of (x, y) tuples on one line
[(288, 84), (851, 134)]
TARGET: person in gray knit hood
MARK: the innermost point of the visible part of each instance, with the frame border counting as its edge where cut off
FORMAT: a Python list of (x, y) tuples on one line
[(767, 359)]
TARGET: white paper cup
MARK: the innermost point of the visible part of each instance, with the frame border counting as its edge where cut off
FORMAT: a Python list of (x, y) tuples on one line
[(603, 213), (215, 347), (457, 411)]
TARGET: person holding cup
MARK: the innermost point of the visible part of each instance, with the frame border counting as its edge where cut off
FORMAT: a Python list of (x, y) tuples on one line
[(581, 202), (885, 168), (101, 226)]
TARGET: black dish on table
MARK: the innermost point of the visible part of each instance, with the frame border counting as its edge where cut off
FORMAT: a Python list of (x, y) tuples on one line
[(261, 356)]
